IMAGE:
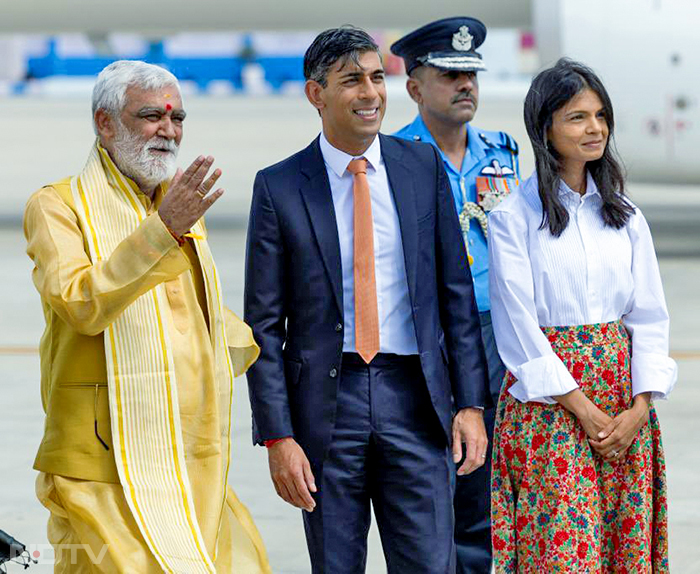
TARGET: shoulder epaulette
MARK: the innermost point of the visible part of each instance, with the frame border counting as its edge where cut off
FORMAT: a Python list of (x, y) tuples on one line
[(486, 140), (503, 141), (510, 143)]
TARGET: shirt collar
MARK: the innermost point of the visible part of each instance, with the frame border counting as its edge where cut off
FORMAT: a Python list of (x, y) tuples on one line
[(418, 128), (338, 160), (565, 192), (475, 145)]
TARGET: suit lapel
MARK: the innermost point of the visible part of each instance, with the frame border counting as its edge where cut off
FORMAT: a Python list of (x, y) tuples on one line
[(403, 192), (316, 192)]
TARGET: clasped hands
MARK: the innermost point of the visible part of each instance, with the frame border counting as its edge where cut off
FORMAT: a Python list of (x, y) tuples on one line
[(188, 196), (610, 437)]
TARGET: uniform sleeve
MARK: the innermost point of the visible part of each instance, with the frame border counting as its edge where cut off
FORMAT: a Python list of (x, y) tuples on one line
[(647, 320), (88, 296), (522, 345)]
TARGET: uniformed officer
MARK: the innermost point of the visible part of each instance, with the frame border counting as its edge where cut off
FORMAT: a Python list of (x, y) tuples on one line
[(442, 65)]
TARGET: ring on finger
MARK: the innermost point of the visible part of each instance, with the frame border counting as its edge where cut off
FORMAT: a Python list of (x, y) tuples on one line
[(615, 453), (483, 456), (201, 192)]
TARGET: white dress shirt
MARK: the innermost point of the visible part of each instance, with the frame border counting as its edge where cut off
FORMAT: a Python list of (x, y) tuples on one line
[(592, 273), (396, 331)]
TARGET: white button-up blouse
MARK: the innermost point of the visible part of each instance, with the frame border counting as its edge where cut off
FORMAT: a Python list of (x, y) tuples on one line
[(590, 274)]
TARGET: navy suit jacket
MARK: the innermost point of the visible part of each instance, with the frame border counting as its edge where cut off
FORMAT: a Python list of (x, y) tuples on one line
[(294, 295)]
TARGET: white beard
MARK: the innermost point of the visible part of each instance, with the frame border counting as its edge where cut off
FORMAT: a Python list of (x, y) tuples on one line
[(135, 161)]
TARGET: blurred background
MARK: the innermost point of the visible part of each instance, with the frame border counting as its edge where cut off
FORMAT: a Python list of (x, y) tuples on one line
[(240, 65)]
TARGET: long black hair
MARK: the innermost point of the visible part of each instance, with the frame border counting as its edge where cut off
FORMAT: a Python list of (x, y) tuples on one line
[(549, 92)]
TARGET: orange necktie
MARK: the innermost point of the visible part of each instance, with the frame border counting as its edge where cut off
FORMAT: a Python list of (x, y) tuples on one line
[(366, 314)]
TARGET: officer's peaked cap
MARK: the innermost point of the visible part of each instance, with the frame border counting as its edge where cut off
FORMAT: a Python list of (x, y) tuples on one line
[(448, 44)]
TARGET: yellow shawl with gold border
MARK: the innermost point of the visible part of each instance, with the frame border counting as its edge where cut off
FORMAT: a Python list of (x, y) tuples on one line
[(142, 387)]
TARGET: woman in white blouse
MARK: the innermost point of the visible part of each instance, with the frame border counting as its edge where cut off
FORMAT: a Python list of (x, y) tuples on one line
[(581, 324)]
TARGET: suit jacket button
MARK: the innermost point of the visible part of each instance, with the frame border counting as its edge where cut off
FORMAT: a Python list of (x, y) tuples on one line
[(333, 373), (338, 328)]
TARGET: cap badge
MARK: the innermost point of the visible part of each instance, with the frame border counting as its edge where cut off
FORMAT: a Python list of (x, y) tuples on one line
[(462, 40)]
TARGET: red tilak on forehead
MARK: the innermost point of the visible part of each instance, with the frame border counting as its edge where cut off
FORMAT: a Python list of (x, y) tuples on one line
[(168, 107)]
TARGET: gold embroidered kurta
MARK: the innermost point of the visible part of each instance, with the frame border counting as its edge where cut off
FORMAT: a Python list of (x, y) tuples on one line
[(80, 300)]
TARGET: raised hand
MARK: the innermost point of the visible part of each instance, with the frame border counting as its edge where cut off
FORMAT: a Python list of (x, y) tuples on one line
[(188, 196)]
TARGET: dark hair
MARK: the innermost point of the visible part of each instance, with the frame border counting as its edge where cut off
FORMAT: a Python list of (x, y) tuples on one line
[(549, 92), (346, 42)]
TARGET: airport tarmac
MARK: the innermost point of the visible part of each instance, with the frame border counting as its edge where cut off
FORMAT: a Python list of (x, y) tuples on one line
[(51, 138)]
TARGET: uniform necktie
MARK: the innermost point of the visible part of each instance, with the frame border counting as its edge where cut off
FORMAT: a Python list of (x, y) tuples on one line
[(366, 314)]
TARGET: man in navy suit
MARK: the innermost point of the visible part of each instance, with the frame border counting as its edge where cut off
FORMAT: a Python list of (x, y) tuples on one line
[(359, 294)]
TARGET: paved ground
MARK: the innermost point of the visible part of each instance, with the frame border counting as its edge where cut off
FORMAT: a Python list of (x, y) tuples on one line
[(46, 148)]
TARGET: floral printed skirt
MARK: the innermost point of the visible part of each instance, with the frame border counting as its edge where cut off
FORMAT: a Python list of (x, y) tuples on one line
[(556, 505)]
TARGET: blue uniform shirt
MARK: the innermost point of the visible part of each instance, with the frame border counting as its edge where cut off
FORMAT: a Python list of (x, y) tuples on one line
[(493, 158)]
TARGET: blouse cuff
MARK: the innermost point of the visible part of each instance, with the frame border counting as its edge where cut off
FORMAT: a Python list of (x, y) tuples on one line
[(541, 379), (653, 373)]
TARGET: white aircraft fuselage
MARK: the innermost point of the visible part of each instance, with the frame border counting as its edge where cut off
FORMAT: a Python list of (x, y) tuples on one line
[(646, 51)]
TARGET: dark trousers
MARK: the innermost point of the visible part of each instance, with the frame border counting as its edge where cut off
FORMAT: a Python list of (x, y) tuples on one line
[(472, 500), (388, 448)]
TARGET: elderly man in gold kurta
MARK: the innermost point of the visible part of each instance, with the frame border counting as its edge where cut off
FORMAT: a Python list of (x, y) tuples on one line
[(139, 354)]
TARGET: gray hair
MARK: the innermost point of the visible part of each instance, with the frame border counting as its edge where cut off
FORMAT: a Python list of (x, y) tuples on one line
[(109, 93)]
